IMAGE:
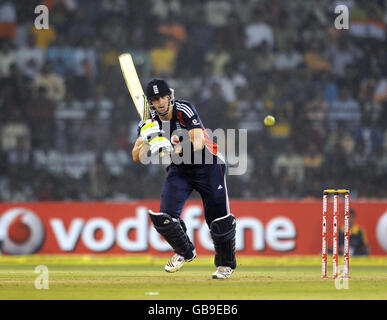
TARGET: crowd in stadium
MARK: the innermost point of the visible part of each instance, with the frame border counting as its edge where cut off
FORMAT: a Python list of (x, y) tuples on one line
[(67, 122)]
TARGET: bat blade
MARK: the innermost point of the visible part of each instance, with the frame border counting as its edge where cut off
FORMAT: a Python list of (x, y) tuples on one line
[(134, 85)]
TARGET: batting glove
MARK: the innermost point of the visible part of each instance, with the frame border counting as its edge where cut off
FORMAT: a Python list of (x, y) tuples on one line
[(160, 145), (149, 129)]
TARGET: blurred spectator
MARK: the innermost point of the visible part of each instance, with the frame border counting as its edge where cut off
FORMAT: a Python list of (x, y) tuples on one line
[(381, 90), (336, 164), (116, 159), (99, 181), (13, 130), (187, 62), (13, 91), (217, 12), (285, 33), (263, 58), (46, 158), (204, 81), (313, 160), (219, 58), (85, 67), (365, 9), (233, 37), (45, 190), (346, 109), (244, 9), (314, 60), (313, 30), (249, 110), (380, 162), (61, 56), (44, 37), (341, 137), (359, 158), (258, 30), (371, 135), (173, 32), (341, 55), (30, 58), (14, 190), (52, 83), (161, 8), (20, 155), (214, 109), (114, 31), (8, 20), (288, 59), (40, 111), (7, 58), (94, 129), (163, 60), (289, 164), (16, 186), (229, 82), (201, 35), (368, 104), (75, 164), (316, 112), (114, 6)]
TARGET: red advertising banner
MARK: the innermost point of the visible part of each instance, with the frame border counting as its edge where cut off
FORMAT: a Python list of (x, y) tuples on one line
[(263, 227)]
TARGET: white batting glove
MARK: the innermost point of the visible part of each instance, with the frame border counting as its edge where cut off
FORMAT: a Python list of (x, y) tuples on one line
[(149, 129), (160, 145)]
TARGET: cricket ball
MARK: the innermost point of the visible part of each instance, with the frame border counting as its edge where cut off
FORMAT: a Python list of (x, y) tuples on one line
[(269, 121)]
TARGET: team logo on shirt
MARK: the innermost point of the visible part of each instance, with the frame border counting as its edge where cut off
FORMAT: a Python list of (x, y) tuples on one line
[(194, 121), (175, 139)]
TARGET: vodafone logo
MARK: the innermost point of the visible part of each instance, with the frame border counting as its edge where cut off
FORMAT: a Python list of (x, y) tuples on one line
[(24, 231), (279, 235), (381, 231)]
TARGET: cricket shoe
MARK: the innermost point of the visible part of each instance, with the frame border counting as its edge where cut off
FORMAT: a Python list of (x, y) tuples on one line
[(176, 262), (222, 273)]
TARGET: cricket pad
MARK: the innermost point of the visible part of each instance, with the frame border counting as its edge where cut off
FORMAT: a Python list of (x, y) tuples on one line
[(223, 234), (174, 232)]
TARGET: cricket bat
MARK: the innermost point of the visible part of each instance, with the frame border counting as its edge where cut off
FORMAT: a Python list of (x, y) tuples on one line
[(134, 86)]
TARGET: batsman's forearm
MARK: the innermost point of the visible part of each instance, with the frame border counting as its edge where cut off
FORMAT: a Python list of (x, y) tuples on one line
[(139, 149), (197, 145), (140, 152), (136, 154), (197, 139)]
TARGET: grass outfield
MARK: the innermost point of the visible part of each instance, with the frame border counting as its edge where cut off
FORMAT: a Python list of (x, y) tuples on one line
[(143, 277)]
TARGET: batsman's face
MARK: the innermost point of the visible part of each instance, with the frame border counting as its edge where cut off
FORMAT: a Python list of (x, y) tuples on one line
[(161, 104)]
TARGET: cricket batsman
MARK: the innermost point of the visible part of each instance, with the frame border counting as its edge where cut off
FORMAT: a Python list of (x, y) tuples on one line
[(205, 177)]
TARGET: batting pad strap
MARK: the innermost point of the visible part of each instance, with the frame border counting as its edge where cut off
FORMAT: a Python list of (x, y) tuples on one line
[(173, 232), (223, 232)]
